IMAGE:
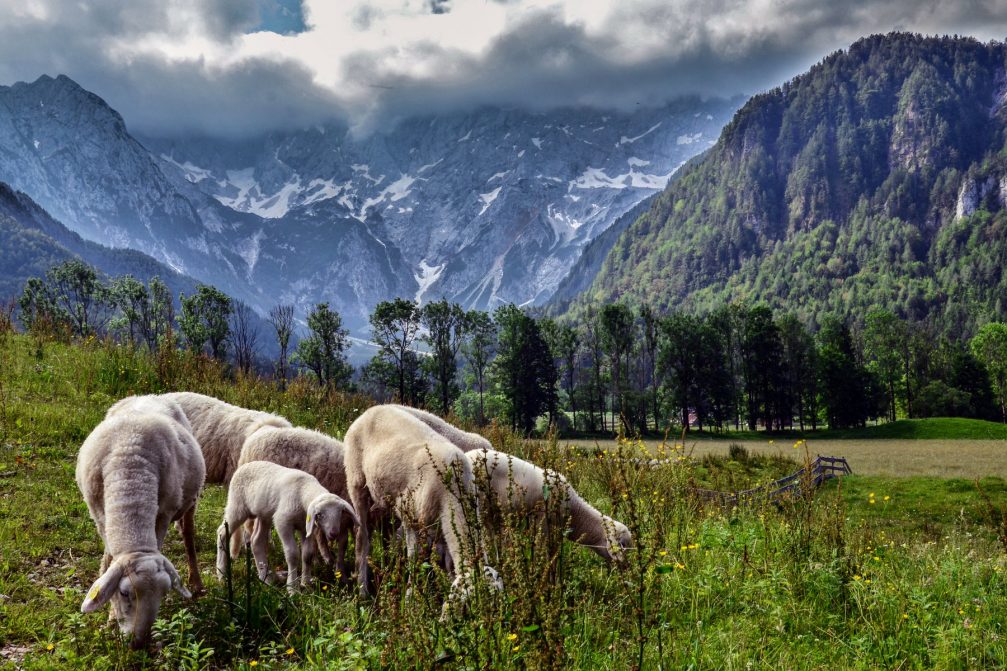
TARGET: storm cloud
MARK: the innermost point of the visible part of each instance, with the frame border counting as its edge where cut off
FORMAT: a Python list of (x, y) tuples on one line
[(238, 67)]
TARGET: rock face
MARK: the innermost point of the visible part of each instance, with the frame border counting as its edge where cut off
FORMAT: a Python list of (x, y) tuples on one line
[(482, 208)]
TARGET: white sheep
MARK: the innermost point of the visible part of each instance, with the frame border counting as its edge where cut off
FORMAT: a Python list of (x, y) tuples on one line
[(221, 429), (310, 451), (396, 463), (519, 487), (464, 440), (295, 502), (138, 472)]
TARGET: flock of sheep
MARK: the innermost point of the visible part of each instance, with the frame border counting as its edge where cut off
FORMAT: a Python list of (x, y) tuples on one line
[(144, 465)]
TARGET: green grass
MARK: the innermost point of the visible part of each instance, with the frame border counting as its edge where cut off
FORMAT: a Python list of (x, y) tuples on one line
[(914, 581)]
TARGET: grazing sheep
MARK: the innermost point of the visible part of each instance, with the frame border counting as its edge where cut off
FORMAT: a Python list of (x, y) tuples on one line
[(464, 440), (396, 463), (292, 500), (305, 450), (518, 487), (221, 429), (139, 471)]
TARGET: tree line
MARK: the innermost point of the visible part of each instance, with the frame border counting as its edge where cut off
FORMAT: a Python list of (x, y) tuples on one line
[(616, 368)]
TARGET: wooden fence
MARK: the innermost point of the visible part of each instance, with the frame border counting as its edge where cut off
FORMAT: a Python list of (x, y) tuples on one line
[(803, 481)]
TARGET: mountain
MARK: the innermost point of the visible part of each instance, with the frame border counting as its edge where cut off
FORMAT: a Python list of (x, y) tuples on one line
[(878, 178), (31, 242), (483, 208)]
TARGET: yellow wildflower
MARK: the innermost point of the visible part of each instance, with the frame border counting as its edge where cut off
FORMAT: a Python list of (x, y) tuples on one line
[(511, 637), (290, 651)]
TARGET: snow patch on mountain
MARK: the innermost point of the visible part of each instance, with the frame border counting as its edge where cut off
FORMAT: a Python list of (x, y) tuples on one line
[(637, 162), (537, 141), (630, 140), (596, 178), (249, 249), (425, 278), (192, 173), (397, 190), (488, 198), (689, 138)]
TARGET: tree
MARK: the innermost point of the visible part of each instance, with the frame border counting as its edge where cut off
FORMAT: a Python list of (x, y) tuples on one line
[(394, 326), (445, 323), (762, 356), (38, 306), (990, 347), (478, 348), (564, 345), (281, 318), (800, 362), (323, 351), (84, 299), (616, 322), (649, 326), (677, 359), (205, 319), (884, 346), (524, 368), (845, 386), (244, 336)]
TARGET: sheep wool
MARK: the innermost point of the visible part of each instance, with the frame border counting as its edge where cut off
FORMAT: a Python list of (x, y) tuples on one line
[(221, 430), (314, 453), (140, 470), (295, 502), (464, 440), (397, 464), (519, 486)]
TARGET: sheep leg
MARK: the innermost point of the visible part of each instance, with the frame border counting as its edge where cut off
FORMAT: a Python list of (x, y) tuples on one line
[(291, 553), (342, 570), (307, 557), (188, 529), (241, 537), (323, 548), (260, 548), (361, 500)]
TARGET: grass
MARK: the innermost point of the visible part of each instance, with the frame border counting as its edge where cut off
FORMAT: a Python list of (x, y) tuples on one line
[(968, 459), (914, 580)]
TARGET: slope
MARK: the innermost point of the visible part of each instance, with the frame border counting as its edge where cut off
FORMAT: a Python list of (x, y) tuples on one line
[(877, 178)]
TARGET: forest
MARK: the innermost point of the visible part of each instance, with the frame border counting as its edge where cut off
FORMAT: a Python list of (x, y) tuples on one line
[(613, 370)]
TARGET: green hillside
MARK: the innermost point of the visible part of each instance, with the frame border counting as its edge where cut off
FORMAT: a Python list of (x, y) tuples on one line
[(879, 177)]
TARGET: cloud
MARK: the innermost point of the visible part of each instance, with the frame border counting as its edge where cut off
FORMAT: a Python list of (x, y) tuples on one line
[(233, 67)]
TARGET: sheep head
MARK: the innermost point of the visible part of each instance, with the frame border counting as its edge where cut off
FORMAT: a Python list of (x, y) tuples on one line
[(329, 515), (135, 584), (618, 539)]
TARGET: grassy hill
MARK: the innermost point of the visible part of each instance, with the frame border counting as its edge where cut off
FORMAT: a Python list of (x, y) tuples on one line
[(875, 573)]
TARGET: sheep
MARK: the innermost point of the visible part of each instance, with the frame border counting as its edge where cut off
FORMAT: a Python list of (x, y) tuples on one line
[(292, 500), (464, 440), (309, 451), (395, 461), (518, 486), (139, 471), (221, 429)]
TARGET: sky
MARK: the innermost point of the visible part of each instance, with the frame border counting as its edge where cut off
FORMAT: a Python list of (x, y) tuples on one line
[(233, 68)]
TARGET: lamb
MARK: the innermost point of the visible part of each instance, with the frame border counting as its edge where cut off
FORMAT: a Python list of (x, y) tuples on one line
[(518, 487), (396, 463), (221, 429), (464, 440), (312, 452), (138, 472), (292, 500)]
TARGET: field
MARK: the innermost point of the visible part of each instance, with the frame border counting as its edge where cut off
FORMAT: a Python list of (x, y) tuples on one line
[(898, 566)]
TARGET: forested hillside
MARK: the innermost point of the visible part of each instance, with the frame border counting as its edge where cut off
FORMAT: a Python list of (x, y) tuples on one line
[(878, 178)]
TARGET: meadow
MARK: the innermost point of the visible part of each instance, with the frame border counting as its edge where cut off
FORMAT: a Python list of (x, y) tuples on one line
[(900, 565)]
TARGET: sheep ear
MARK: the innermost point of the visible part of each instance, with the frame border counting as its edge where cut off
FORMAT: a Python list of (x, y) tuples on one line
[(102, 589), (309, 523), (176, 581), (352, 514)]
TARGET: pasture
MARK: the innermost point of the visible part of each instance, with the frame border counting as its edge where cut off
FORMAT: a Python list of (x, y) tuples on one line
[(891, 568)]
